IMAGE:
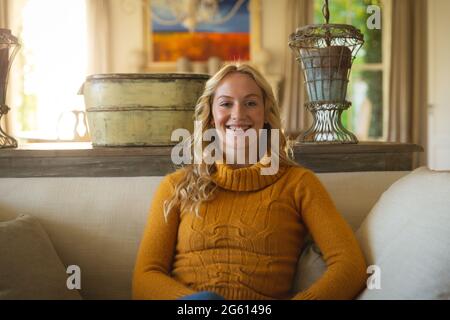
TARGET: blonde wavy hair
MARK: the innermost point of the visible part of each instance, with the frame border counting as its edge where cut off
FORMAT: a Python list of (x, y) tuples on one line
[(197, 186)]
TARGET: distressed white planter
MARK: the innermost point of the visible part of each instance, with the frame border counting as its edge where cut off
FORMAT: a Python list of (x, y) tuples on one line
[(140, 109)]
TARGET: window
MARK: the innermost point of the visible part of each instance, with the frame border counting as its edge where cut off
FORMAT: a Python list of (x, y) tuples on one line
[(52, 65), (368, 86)]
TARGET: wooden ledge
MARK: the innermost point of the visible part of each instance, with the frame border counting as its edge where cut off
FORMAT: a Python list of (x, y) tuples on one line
[(83, 160), (364, 156)]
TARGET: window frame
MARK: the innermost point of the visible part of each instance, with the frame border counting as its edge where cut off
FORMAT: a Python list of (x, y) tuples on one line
[(383, 66), (16, 95)]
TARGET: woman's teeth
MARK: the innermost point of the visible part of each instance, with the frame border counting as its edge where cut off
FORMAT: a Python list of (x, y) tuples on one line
[(234, 128)]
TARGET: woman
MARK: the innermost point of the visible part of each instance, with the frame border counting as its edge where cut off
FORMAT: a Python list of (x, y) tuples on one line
[(226, 230)]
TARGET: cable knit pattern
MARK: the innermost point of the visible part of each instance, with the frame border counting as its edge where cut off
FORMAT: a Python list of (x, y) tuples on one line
[(247, 240)]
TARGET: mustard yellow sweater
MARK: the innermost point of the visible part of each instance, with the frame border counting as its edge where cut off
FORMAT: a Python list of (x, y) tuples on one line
[(248, 240)]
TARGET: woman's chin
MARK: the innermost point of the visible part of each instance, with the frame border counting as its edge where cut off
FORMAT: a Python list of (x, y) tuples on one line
[(245, 150)]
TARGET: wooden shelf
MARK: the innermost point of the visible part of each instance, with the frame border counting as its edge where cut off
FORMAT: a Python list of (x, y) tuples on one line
[(364, 156), (81, 159)]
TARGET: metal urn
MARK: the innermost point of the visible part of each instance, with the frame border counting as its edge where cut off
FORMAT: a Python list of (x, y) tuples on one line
[(326, 53), (9, 45)]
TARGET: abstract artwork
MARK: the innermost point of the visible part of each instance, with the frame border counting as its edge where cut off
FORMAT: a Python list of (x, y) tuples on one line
[(229, 41)]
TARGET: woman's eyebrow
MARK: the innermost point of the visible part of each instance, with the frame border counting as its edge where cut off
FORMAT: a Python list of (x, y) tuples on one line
[(253, 94), (247, 96), (223, 96)]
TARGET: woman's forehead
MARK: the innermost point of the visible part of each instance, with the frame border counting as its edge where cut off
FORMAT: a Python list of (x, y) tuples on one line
[(238, 84)]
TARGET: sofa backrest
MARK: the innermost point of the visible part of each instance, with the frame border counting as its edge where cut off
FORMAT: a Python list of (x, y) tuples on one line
[(97, 223)]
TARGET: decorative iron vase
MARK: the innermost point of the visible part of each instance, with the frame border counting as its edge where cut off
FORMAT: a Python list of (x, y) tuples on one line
[(326, 53), (9, 45)]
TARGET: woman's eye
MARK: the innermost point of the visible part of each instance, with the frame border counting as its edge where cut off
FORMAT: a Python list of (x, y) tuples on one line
[(226, 104), (251, 103)]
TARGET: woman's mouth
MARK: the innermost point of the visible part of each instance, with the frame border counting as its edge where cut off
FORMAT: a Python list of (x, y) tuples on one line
[(235, 131), (235, 128), (239, 136)]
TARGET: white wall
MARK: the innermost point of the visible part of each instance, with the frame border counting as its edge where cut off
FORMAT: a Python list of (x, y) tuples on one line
[(274, 33), (439, 84), (127, 36)]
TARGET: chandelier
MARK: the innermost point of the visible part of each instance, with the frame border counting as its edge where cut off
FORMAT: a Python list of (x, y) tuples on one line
[(191, 13)]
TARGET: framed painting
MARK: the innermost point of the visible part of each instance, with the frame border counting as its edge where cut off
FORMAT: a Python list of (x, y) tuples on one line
[(231, 34)]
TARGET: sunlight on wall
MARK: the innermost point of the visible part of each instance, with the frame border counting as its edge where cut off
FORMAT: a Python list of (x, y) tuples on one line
[(55, 52)]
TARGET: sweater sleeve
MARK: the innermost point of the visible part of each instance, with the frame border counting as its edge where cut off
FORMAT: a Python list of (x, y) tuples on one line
[(151, 279), (346, 274)]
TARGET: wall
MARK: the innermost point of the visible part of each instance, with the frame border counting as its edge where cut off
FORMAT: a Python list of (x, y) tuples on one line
[(439, 93), (274, 33), (127, 33)]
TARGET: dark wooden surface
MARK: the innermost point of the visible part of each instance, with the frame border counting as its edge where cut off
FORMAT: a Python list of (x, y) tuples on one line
[(82, 160), (364, 156)]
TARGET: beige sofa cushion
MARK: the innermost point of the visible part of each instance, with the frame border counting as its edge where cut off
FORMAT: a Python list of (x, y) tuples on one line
[(95, 223), (354, 194), (29, 265), (311, 266), (407, 235)]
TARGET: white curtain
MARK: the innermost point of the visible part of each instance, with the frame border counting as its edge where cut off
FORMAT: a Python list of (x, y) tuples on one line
[(408, 78), (99, 36), (296, 119)]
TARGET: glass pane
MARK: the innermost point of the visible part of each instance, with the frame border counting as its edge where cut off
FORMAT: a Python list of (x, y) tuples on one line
[(365, 116), (54, 65), (354, 12)]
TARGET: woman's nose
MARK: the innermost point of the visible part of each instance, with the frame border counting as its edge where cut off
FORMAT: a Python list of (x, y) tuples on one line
[(238, 111)]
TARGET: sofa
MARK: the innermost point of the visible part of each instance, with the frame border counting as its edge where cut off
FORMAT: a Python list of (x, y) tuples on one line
[(96, 224)]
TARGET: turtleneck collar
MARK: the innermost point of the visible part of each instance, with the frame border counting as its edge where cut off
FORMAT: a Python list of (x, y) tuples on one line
[(246, 178)]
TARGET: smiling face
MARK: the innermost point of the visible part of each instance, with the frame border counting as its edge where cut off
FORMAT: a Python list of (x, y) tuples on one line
[(238, 105)]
